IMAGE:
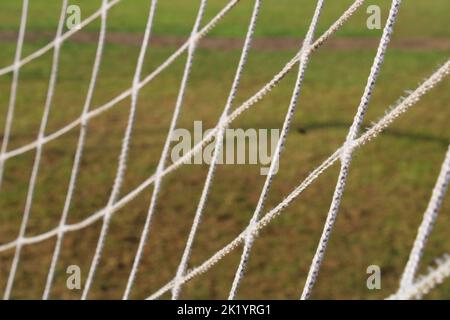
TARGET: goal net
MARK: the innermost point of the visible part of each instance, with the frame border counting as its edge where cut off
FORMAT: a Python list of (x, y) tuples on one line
[(80, 128)]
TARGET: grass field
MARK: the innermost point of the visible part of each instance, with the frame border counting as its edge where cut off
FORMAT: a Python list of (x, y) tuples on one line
[(388, 189)]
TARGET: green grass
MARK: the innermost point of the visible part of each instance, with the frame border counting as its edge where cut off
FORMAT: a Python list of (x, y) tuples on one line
[(388, 188), (279, 18)]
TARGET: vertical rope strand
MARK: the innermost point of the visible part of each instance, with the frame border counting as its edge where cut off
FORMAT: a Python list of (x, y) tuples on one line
[(346, 155), (303, 63), (37, 159), (217, 148), (79, 151), (165, 152), (426, 226), (123, 153), (14, 85)]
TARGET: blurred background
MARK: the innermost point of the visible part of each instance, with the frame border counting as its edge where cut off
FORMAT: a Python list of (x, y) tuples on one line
[(390, 180)]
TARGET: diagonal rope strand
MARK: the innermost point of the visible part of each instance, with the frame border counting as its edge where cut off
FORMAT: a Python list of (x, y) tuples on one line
[(217, 149), (38, 156), (426, 226), (346, 156), (165, 152), (121, 168), (425, 284), (303, 63), (78, 152)]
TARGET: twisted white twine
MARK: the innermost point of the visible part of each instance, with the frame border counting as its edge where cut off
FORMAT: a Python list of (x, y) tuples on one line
[(346, 156), (217, 149), (165, 152), (38, 156), (425, 284), (123, 153), (14, 85), (426, 226), (79, 151), (277, 153)]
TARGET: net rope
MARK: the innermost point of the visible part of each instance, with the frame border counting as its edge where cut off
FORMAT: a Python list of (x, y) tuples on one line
[(217, 149), (426, 226), (14, 84), (409, 287), (346, 156), (121, 168), (38, 156), (303, 63), (166, 149), (78, 152)]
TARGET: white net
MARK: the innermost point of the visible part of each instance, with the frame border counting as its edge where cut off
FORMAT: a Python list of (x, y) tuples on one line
[(410, 285)]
